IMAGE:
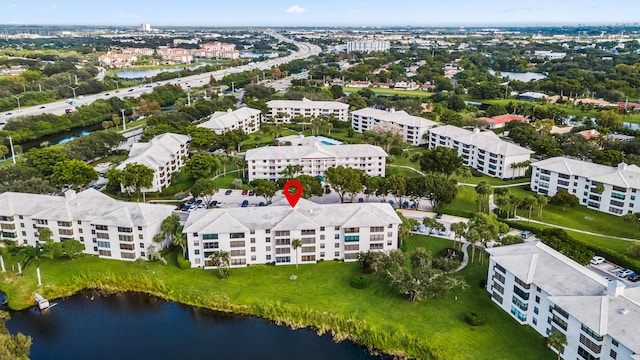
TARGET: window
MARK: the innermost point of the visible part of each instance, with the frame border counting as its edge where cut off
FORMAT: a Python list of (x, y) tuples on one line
[(125, 229), (102, 227), (238, 235), (102, 236), (282, 259), (210, 237), (104, 252), (584, 354), (128, 238), (64, 223), (104, 244), (351, 238), (126, 246), (376, 229), (613, 354), (283, 233), (535, 310), (235, 244), (535, 321), (537, 300)]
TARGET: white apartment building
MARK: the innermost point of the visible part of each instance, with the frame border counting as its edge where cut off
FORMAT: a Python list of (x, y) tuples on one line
[(164, 154), (283, 110), (107, 227), (260, 235), (547, 291), (245, 119), (268, 162), (414, 128), (621, 184), (482, 150), (368, 46)]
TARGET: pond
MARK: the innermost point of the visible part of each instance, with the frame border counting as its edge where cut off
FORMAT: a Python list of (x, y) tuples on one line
[(524, 77), (136, 326)]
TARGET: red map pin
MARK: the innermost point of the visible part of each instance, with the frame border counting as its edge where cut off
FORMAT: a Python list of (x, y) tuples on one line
[(292, 197)]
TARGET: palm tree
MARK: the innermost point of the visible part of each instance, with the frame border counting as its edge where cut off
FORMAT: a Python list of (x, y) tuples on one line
[(180, 240), (515, 203), (633, 219), (458, 229), (158, 238), (557, 340), (221, 260), (473, 237), (542, 202), (503, 203), (484, 190), (28, 254), (529, 203), (296, 244)]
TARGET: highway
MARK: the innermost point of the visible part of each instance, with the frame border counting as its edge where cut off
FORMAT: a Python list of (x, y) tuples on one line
[(59, 107)]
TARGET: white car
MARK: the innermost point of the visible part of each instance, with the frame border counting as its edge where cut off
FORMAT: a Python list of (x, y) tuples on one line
[(597, 260)]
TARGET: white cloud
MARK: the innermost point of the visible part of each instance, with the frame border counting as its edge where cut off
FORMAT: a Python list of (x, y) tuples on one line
[(296, 9)]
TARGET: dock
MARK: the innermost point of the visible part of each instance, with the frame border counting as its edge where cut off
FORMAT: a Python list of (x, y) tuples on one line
[(43, 303)]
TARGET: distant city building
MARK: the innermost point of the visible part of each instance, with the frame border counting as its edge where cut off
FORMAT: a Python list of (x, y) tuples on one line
[(217, 50), (414, 128), (106, 227), (245, 119), (620, 184), (482, 150), (282, 111), (542, 288), (117, 60), (145, 27), (549, 55), (268, 162), (260, 235), (368, 46), (164, 154), (139, 51)]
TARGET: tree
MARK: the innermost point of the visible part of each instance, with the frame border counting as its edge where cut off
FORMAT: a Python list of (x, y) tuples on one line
[(484, 228), (542, 201), (32, 186), (45, 159), (609, 119), (180, 240), (369, 261), (397, 184), (72, 247), (458, 229), (344, 180), (221, 260), (264, 188), (296, 244), (564, 198), (405, 227), (4, 151), (557, 341), (14, 347), (484, 191), (634, 220), (74, 173), (336, 91), (439, 189), (291, 171), (45, 234), (201, 165), (529, 203), (633, 250), (204, 189), (441, 159), (147, 108), (170, 225), (134, 178), (311, 186)]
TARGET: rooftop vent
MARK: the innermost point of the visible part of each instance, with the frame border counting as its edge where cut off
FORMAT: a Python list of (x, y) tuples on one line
[(623, 311)]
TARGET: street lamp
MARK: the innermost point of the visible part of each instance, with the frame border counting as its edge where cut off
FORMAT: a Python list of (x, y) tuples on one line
[(13, 155), (74, 91), (117, 84), (18, 98), (124, 121)]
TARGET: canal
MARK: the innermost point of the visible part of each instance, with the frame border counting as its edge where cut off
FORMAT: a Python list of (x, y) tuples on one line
[(136, 326)]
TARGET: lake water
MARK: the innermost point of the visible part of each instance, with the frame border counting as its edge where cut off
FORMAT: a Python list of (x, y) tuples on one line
[(139, 74), (524, 77), (137, 326)]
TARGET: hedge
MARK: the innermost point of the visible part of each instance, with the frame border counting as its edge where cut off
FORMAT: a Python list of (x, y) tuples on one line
[(182, 262)]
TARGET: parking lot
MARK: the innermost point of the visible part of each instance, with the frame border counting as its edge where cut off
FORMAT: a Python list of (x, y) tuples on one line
[(608, 270)]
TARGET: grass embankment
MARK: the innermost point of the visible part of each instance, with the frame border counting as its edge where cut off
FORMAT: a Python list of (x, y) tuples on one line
[(413, 93), (321, 297)]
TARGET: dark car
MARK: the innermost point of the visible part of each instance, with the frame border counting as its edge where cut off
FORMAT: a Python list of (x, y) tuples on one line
[(228, 192), (633, 278), (199, 201), (191, 201), (130, 90), (245, 203), (185, 208), (42, 107), (261, 203), (405, 204), (213, 203), (245, 192), (252, 193), (360, 200), (439, 216)]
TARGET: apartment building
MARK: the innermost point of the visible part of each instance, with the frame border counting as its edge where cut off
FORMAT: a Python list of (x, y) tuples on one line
[(282, 111), (414, 128), (268, 162), (117, 60), (482, 150), (547, 291), (245, 119), (260, 235), (165, 154), (107, 227), (368, 46), (604, 188)]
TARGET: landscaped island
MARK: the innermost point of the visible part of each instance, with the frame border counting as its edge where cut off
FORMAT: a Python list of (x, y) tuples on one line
[(320, 297)]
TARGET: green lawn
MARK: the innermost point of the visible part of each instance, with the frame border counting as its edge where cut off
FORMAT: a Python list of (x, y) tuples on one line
[(322, 288), (493, 181)]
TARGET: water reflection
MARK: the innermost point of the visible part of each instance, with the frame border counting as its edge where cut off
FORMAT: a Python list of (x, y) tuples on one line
[(134, 326)]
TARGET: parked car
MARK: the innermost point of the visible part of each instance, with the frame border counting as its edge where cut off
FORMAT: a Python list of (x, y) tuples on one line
[(42, 107), (191, 201), (597, 260), (245, 192), (199, 201), (526, 234), (433, 231), (360, 200), (130, 90), (245, 203), (405, 204), (213, 203), (623, 273), (438, 216), (202, 206), (633, 278), (184, 208), (228, 192), (413, 205), (261, 203), (252, 193), (442, 232), (392, 203), (422, 228), (179, 207)]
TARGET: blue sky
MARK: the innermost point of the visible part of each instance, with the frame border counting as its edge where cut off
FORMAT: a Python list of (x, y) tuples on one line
[(318, 12)]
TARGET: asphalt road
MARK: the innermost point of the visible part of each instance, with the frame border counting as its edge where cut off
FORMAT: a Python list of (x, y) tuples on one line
[(59, 107)]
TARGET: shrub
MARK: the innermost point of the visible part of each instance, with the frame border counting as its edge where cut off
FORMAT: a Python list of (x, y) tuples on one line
[(395, 150), (474, 319), (359, 282), (182, 262)]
